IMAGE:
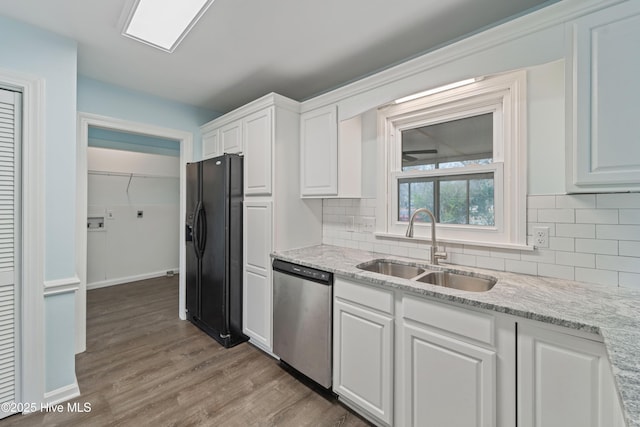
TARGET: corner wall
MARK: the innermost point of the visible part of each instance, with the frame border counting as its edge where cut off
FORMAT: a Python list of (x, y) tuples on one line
[(33, 52)]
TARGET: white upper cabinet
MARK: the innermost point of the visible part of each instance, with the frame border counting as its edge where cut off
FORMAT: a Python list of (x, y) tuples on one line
[(258, 149), (211, 144), (319, 152), (603, 130), (231, 137), (330, 154)]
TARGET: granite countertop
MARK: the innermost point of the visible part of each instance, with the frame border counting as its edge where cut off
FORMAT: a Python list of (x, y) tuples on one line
[(611, 312)]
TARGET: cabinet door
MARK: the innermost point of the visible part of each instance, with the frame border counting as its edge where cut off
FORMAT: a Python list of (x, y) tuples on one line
[(257, 288), (231, 137), (602, 94), (319, 152), (258, 148), (211, 144), (447, 382), (562, 380), (362, 364)]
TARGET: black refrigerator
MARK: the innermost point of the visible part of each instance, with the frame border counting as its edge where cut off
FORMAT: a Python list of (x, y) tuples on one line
[(214, 247)]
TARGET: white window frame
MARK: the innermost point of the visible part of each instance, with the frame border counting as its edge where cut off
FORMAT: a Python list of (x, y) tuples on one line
[(505, 97)]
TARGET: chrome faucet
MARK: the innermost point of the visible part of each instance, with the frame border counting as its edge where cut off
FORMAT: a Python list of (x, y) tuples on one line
[(435, 255)]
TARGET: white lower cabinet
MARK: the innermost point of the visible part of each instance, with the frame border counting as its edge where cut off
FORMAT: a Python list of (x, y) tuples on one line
[(257, 289), (564, 381), (363, 349), (447, 382), (448, 365), (407, 360)]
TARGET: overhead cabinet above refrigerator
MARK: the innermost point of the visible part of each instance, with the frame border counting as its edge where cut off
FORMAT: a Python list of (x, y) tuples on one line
[(214, 247)]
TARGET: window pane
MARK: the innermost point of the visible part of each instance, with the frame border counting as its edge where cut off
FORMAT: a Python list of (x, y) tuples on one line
[(453, 202), (455, 143), (403, 201), (462, 199), (414, 194), (481, 202)]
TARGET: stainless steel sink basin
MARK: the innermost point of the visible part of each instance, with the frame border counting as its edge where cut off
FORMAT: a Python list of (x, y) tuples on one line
[(463, 282), (391, 268)]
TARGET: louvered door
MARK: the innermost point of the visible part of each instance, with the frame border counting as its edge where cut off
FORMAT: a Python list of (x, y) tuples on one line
[(9, 228)]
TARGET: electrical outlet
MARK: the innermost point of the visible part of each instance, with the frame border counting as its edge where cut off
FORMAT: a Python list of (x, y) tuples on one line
[(368, 224), (541, 237)]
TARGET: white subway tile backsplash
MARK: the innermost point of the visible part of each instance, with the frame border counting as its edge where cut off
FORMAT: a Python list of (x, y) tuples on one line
[(629, 216), (490, 263), (576, 201), (562, 244), (539, 255), (366, 246), (576, 259), (602, 277), (505, 253), (461, 259), (541, 202), (595, 246), (559, 271), (629, 249), (523, 267), (620, 201), (556, 215), (618, 232), (592, 238), (597, 216), (629, 280), (421, 254), (618, 263), (587, 231)]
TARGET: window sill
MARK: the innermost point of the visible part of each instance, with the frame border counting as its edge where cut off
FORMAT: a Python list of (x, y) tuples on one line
[(514, 246)]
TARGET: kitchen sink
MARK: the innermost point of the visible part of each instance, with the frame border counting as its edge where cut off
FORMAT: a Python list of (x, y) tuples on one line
[(444, 278), (391, 268), (463, 282)]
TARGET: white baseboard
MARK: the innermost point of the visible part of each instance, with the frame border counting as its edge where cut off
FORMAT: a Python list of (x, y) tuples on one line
[(122, 280), (62, 394)]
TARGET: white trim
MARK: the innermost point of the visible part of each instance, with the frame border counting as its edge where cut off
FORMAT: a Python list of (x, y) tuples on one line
[(31, 352), (543, 19), (481, 244), (503, 95), (252, 107), (61, 286), (186, 154), (123, 280), (62, 394)]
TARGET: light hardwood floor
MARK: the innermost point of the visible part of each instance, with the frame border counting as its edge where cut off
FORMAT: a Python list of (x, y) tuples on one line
[(145, 367)]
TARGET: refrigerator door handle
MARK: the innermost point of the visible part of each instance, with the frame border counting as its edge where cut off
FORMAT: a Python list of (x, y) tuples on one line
[(196, 230), (202, 239)]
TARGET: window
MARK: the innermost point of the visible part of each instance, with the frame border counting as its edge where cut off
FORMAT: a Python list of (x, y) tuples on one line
[(461, 154)]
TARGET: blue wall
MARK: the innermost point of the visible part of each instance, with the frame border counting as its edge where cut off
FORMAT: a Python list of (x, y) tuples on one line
[(101, 98), (27, 50), (116, 140)]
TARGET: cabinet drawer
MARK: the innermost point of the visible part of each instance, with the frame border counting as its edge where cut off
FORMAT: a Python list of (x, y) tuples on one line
[(368, 296), (463, 322)]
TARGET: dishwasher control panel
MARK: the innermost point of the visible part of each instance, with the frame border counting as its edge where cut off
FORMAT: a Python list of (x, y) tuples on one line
[(302, 271)]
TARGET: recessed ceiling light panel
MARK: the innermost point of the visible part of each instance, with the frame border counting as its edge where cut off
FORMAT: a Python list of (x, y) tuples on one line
[(163, 23)]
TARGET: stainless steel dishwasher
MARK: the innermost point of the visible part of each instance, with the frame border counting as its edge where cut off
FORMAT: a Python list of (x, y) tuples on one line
[(302, 319)]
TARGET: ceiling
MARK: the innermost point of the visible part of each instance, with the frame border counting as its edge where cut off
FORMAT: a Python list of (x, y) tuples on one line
[(243, 49)]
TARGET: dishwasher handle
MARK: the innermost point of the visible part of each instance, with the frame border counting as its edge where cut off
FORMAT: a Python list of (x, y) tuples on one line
[(304, 272)]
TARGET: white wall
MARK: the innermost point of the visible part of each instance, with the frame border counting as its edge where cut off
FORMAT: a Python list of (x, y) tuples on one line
[(131, 248)]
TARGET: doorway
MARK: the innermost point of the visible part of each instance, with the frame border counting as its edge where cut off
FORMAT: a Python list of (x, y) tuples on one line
[(90, 121)]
